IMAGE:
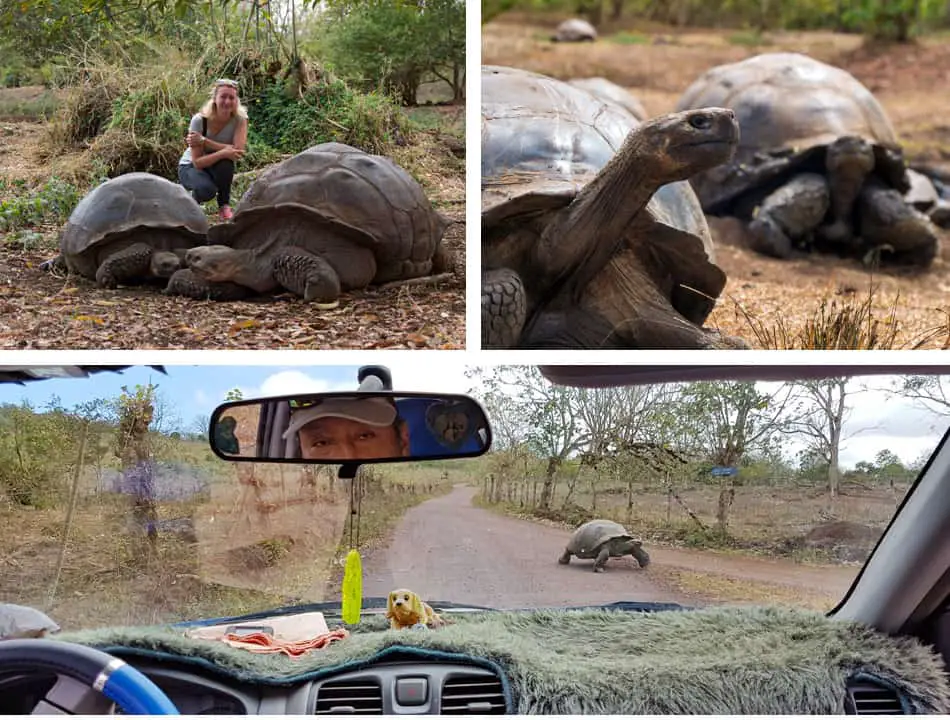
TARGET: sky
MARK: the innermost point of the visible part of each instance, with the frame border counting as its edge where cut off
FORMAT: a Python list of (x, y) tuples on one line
[(877, 420), (193, 391)]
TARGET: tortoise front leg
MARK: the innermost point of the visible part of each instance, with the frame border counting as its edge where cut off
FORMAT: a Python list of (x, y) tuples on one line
[(565, 557), (888, 221), (602, 557), (187, 284), (307, 275), (504, 308), (790, 214), (653, 325), (122, 266), (641, 555)]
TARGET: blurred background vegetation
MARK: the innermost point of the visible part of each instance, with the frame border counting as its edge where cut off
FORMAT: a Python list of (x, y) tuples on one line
[(896, 20)]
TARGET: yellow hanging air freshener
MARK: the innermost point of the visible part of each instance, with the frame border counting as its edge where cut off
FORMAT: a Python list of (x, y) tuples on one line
[(352, 588)]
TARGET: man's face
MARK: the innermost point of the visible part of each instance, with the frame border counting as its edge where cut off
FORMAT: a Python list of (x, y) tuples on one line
[(342, 439)]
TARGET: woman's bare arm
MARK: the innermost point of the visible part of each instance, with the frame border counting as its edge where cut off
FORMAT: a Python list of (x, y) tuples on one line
[(240, 135), (202, 161), (240, 138)]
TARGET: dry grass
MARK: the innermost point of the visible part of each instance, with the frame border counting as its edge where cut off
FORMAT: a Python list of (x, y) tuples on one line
[(735, 591), (275, 538), (762, 519), (845, 324)]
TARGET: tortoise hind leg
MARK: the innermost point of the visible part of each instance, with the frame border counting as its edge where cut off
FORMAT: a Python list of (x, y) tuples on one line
[(602, 557), (790, 214), (887, 221), (504, 308), (306, 275), (565, 557), (126, 265)]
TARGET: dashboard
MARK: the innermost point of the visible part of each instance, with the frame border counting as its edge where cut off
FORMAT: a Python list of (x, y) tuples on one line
[(397, 687)]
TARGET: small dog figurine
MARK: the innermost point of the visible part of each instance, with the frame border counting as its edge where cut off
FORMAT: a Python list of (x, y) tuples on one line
[(405, 609)]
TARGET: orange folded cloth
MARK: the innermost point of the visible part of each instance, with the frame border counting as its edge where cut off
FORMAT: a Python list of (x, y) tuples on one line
[(265, 643)]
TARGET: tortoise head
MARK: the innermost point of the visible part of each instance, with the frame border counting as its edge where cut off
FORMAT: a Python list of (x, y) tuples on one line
[(164, 264), (850, 152), (215, 263), (685, 143)]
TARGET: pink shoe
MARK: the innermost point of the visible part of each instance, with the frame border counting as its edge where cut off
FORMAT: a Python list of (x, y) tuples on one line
[(225, 213)]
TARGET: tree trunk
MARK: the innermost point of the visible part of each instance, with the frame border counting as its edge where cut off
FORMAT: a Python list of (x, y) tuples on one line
[(629, 501), (727, 494), (571, 485), (73, 495), (547, 490)]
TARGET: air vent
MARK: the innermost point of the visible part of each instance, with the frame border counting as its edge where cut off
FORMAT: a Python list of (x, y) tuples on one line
[(470, 694), (350, 697), (867, 699)]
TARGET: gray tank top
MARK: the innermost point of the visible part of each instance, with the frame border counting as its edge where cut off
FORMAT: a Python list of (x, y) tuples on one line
[(225, 136)]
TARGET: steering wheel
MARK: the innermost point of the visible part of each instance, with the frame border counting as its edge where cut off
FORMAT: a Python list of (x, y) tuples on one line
[(86, 679)]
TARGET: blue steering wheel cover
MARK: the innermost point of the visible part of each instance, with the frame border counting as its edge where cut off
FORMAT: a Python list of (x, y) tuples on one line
[(136, 694), (110, 676)]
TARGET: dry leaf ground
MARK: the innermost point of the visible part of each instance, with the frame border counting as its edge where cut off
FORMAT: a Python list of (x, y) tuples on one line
[(657, 64), (39, 311)]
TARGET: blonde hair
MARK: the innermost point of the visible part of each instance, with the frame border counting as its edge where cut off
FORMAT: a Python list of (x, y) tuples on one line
[(207, 110)]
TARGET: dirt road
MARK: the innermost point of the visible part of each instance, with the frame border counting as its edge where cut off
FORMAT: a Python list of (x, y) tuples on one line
[(447, 549)]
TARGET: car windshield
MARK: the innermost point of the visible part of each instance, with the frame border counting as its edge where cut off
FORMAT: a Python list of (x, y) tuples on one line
[(115, 511)]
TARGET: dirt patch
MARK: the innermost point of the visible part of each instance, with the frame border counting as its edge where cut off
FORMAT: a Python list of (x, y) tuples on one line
[(664, 62), (39, 311)]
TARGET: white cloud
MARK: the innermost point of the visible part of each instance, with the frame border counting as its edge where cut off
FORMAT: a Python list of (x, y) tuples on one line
[(289, 382), (880, 420), (441, 375)]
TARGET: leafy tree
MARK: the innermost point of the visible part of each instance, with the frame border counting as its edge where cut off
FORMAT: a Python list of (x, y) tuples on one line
[(730, 419)]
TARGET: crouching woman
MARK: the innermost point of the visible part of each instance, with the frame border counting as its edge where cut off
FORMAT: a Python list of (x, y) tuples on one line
[(217, 137)]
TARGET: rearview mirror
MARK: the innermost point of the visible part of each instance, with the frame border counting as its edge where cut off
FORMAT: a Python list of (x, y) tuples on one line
[(343, 427)]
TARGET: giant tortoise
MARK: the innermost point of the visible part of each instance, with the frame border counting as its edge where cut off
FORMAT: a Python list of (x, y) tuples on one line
[(603, 539), (130, 229), (819, 165), (330, 219), (590, 236), (21, 621), (574, 30)]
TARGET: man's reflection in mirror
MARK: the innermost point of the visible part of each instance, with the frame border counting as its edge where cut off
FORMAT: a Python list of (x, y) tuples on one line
[(350, 429), (225, 439)]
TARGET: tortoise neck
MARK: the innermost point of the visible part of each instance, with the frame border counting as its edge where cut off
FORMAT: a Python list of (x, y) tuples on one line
[(592, 228)]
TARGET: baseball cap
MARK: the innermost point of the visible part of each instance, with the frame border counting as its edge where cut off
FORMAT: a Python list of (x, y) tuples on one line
[(372, 411)]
